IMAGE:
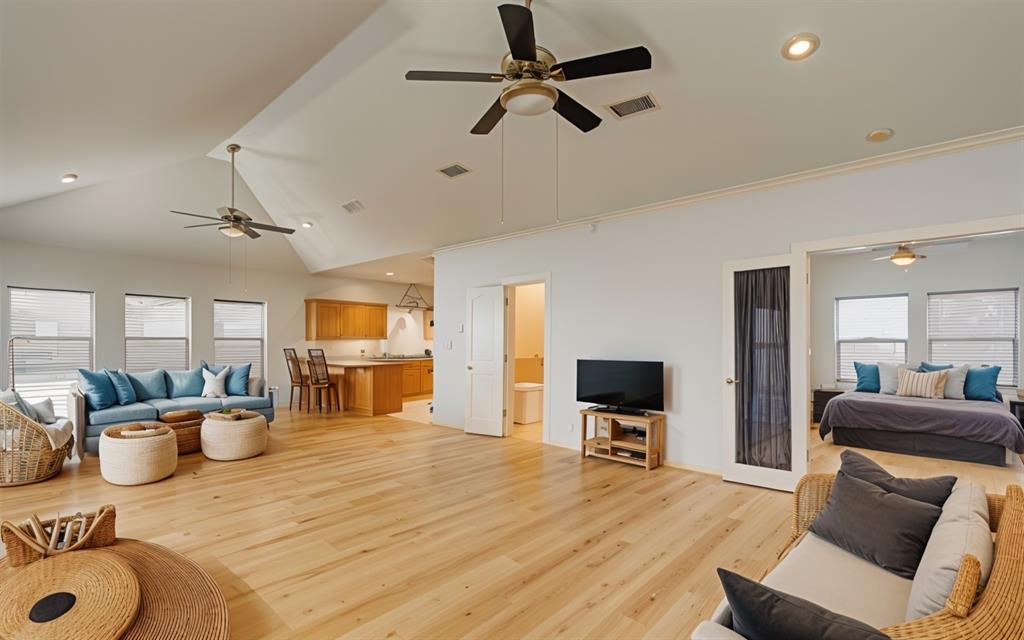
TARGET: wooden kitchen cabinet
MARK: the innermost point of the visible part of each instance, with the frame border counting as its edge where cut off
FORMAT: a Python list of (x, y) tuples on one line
[(417, 377), (427, 376), (342, 319)]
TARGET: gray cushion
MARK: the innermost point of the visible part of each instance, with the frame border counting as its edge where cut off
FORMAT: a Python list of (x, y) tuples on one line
[(885, 528), (246, 402), (962, 528), (123, 413), (163, 405), (931, 490), (956, 378), (762, 613)]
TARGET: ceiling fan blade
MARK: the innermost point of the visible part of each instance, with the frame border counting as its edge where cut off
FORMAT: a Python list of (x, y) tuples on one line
[(268, 227), (194, 215), (518, 23), (584, 119), (208, 224), (879, 259), (454, 76), (489, 119), (635, 59), (249, 232)]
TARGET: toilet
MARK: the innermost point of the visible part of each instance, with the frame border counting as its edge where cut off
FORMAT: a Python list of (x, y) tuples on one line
[(528, 405)]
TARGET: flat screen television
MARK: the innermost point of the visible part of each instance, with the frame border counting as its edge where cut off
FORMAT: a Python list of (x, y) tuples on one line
[(624, 385)]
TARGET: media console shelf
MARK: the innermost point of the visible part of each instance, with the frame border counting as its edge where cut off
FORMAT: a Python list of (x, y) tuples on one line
[(616, 438)]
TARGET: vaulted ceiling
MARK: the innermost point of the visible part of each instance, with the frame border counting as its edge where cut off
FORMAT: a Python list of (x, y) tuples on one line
[(732, 110)]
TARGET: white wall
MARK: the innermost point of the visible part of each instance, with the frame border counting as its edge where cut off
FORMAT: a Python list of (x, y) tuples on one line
[(649, 287), (983, 263), (111, 275)]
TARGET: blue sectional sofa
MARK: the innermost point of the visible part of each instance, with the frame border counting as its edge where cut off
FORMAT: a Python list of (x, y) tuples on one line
[(155, 401)]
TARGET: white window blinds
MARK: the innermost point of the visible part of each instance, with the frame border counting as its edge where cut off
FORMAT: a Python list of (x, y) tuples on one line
[(976, 327), (155, 333), (51, 335), (870, 329), (239, 334)]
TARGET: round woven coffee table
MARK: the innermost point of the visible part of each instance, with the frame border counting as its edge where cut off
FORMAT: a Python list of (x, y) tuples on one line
[(234, 439), (126, 460), (79, 594)]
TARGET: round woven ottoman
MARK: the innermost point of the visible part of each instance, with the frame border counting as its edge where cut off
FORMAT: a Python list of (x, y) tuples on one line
[(234, 439), (129, 460)]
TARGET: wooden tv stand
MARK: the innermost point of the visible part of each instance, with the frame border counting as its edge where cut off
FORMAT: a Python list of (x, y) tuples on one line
[(611, 443)]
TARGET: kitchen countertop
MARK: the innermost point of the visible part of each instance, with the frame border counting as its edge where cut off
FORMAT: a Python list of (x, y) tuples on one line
[(355, 363), (417, 359)]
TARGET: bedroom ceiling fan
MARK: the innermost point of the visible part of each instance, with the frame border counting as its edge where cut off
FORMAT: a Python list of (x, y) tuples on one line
[(233, 222), (529, 67)]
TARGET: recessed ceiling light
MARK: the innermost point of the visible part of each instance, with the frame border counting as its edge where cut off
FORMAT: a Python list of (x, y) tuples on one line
[(390, 273), (880, 135), (800, 46), (69, 177), (307, 225)]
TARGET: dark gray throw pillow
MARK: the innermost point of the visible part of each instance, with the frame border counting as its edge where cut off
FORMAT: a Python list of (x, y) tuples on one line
[(885, 528), (931, 490), (762, 613)]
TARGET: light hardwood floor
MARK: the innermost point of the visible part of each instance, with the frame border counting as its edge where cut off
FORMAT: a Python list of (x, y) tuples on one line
[(384, 528)]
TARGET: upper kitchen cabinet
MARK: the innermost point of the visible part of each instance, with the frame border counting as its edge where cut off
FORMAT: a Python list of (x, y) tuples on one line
[(345, 320)]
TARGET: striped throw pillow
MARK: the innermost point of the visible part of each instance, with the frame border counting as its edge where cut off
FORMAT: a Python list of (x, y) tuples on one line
[(928, 384)]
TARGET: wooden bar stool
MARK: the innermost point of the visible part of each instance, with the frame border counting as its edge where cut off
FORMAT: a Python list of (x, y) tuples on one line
[(299, 380), (320, 380)]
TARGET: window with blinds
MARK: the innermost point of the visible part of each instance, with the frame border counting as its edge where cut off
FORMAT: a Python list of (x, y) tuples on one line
[(51, 333), (870, 329), (156, 333), (239, 334), (976, 328)]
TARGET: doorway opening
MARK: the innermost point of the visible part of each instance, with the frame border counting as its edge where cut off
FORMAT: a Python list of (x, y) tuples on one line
[(525, 349)]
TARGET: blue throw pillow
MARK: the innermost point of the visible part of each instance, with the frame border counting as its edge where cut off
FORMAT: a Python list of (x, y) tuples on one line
[(122, 386), (98, 390), (981, 384), (238, 378), (182, 384), (928, 366), (149, 385), (868, 379)]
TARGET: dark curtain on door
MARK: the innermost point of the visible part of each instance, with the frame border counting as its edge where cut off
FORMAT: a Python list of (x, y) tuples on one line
[(763, 417)]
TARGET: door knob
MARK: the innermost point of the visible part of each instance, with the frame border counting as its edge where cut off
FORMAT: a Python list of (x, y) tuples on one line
[(731, 381)]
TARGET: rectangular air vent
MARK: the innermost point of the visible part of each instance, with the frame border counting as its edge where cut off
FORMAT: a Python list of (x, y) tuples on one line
[(453, 170), (634, 106), (354, 206)]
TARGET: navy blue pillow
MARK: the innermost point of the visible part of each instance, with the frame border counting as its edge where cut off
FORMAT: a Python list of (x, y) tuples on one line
[(98, 390), (867, 377), (238, 379), (981, 384)]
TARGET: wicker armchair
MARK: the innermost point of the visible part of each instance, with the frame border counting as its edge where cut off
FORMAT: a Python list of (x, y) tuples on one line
[(996, 614), (26, 455)]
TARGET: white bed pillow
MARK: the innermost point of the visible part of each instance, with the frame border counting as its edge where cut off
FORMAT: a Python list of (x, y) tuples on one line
[(213, 384), (889, 376), (956, 378), (962, 528)]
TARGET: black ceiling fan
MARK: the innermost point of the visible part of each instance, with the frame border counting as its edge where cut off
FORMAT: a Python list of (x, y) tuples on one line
[(234, 222), (528, 66)]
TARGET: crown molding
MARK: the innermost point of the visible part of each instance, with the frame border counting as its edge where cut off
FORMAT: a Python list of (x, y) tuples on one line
[(873, 162)]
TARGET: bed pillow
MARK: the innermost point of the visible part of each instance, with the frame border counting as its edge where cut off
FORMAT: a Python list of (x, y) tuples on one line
[(981, 384), (889, 376), (122, 386), (881, 527), (96, 387), (867, 377), (957, 378), (928, 366), (762, 613), (962, 528), (933, 491), (915, 384)]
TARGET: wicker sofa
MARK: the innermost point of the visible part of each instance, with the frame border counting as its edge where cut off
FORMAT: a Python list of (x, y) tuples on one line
[(996, 614), (31, 452), (89, 425)]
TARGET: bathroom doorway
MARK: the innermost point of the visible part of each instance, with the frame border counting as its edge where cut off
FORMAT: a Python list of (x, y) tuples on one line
[(525, 349)]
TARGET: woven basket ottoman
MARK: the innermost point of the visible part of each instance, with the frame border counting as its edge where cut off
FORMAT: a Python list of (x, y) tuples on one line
[(127, 460), (234, 439)]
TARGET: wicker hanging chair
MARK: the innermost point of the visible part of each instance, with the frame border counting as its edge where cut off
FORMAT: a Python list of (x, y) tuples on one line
[(26, 455)]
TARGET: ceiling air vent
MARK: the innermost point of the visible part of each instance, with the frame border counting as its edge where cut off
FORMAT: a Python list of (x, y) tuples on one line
[(634, 106), (454, 170), (354, 206)]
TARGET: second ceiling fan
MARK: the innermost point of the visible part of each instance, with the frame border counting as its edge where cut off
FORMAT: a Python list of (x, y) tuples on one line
[(530, 66)]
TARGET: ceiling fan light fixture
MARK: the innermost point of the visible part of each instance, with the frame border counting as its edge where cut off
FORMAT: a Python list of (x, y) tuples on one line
[(880, 135), (903, 261), (529, 98), (800, 46), (68, 178), (307, 225), (232, 231)]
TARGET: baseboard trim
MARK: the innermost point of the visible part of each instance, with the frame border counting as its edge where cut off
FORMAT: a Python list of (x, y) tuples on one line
[(692, 468)]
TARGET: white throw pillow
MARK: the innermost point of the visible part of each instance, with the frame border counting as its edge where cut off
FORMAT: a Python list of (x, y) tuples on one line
[(213, 385), (889, 376), (44, 411), (955, 381), (915, 384), (962, 528)]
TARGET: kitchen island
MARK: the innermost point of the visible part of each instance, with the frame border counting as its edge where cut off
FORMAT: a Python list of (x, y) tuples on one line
[(368, 387)]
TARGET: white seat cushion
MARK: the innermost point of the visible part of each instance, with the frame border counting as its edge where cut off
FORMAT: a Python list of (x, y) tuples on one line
[(833, 578), (714, 631)]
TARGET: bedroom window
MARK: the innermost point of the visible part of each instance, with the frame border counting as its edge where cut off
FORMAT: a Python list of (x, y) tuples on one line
[(239, 334), (976, 327), (870, 329), (51, 338), (156, 333)]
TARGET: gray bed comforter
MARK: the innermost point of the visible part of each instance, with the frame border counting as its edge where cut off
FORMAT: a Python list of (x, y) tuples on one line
[(980, 421)]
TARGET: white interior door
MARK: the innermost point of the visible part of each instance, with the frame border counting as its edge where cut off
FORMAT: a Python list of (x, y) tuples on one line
[(485, 360), (750, 404)]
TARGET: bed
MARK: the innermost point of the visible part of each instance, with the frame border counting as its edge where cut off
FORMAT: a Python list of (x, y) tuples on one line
[(969, 430)]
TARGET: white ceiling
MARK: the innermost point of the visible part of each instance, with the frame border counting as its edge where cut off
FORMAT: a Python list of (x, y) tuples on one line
[(106, 89)]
